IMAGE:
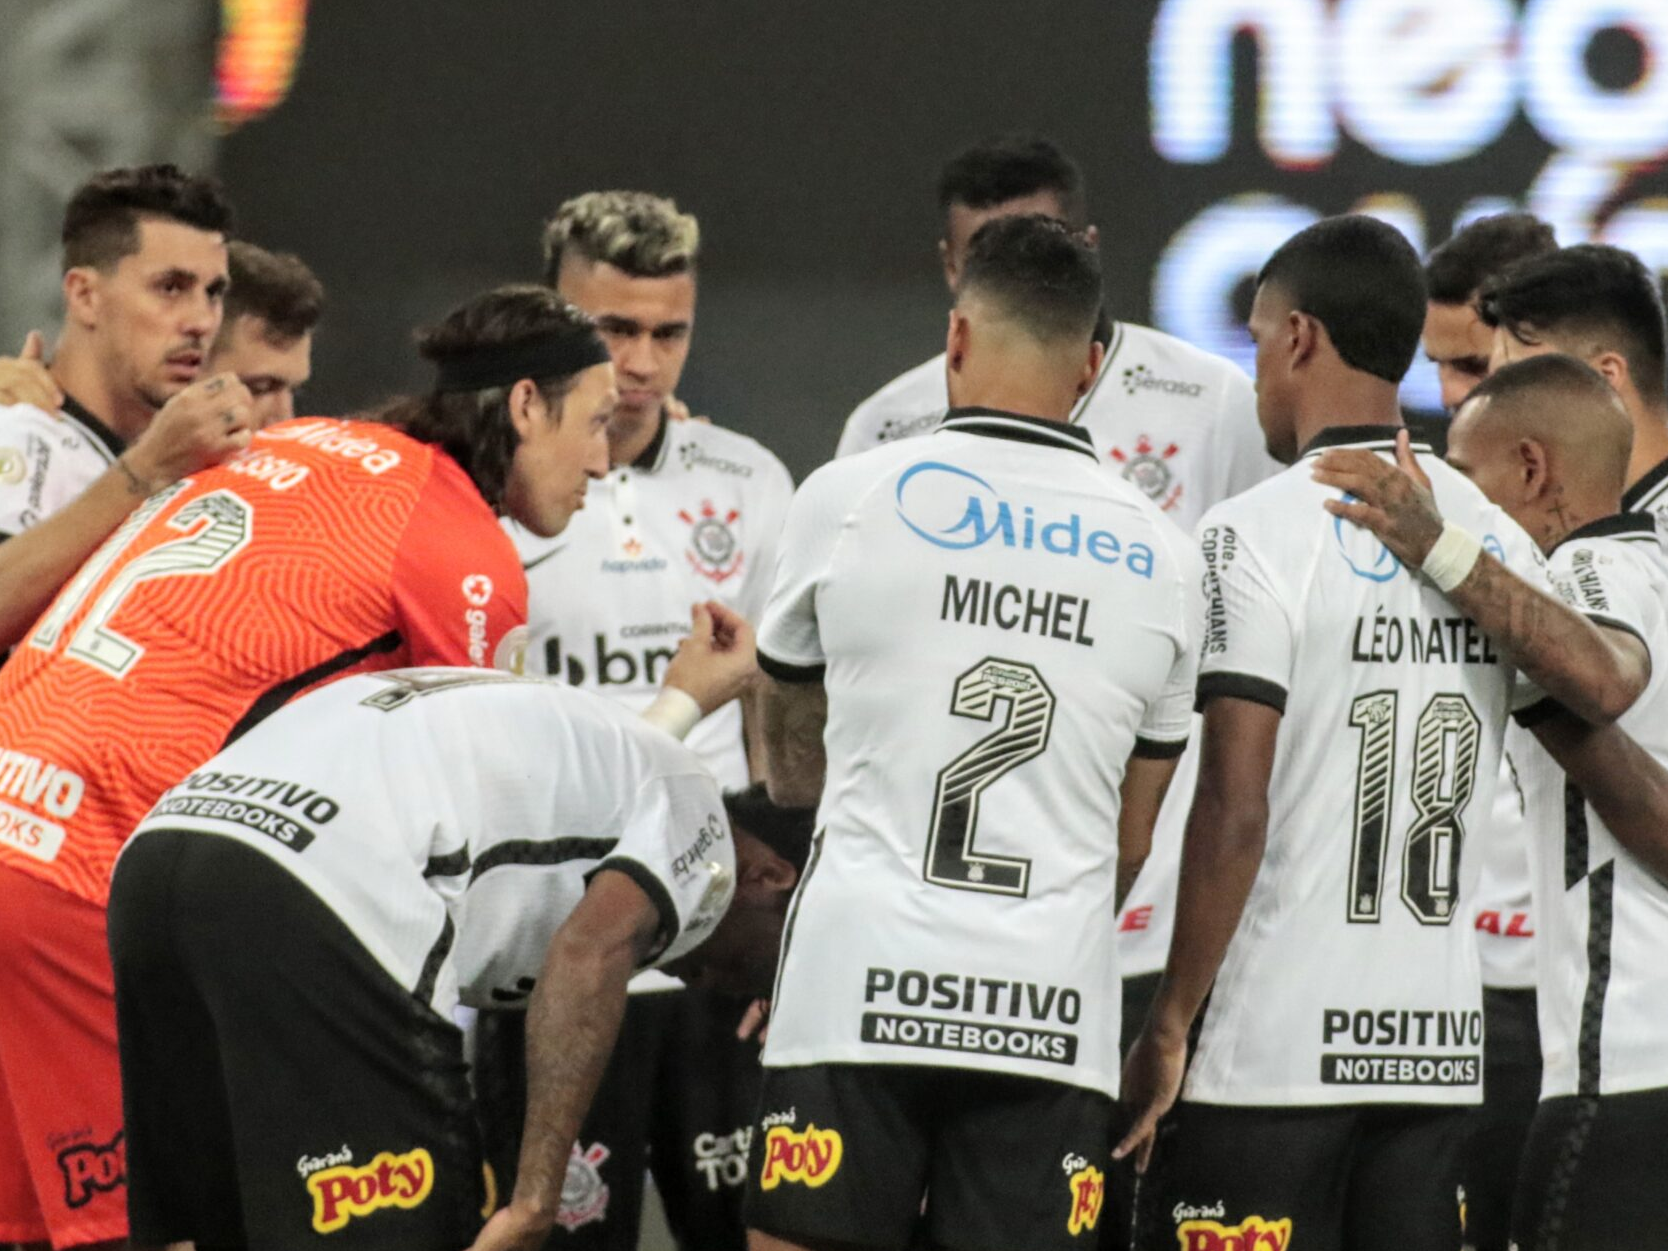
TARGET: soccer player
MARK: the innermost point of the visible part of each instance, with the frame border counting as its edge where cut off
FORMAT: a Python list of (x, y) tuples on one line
[(1604, 306), (125, 410), (1549, 441), (689, 511), (266, 338), (1345, 1013), (1460, 343), (295, 921), (332, 546), (1456, 338), (996, 636)]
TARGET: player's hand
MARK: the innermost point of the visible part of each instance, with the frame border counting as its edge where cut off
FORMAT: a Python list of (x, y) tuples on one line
[(1393, 501), (25, 380), (755, 1022), (677, 410), (199, 427), (513, 1228), (717, 660), (1152, 1080)]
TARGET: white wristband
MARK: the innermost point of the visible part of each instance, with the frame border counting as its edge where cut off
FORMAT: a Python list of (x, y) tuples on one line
[(674, 711), (1451, 558)]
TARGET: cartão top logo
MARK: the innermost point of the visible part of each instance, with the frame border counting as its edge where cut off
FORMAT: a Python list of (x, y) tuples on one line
[(956, 509)]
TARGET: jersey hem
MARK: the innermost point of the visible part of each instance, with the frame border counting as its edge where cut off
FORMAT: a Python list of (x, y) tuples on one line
[(658, 895), (1095, 1081), (1286, 1097)]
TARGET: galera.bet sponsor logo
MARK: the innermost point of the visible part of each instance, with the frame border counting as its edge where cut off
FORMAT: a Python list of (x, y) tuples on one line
[(956, 509)]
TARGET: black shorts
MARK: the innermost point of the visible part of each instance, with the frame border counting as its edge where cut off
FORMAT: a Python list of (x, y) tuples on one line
[(1511, 1090), (280, 1088), (677, 1099), (880, 1155), (1314, 1179), (1592, 1176)]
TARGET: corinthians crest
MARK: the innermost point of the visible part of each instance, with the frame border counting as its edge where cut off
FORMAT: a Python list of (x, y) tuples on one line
[(584, 1193), (1149, 469), (713, 551)]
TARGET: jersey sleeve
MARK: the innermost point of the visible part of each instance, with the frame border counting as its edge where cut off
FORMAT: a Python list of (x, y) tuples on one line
[(458, 588), (770, 513), (1248, 634), (1606, 587), (677, 847), (33, 482), (790, 642), (1169, 718)]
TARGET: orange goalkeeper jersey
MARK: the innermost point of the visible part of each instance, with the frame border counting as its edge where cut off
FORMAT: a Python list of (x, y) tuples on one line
[(328, 547)]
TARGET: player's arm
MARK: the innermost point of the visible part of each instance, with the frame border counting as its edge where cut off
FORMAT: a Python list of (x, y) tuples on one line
[(1627, 787), (573, 1019), (1146, 782), (1595, 673), (795, 714), (715, 663), (1227, 830), (200, 426)]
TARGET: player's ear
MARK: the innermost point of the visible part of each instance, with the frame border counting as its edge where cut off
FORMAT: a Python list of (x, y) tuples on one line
[(955, 344), (1613, 365), (526, 406), (81, 295), (1091, 367), (1533, 468), (760, 871), (1304, 336), (948, 260)]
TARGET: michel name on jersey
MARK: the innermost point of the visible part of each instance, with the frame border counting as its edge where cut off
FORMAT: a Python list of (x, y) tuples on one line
[(1019, 1009), (1382, 639), (1048, 614)]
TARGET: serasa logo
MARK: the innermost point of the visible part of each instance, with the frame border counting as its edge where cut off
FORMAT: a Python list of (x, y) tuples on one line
[(956, 509)]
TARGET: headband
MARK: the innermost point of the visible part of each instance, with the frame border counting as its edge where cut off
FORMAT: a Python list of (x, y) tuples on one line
[(504, 364)]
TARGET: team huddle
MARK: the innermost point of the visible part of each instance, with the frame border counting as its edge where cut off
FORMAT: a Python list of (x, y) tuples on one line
[(1111, 804)]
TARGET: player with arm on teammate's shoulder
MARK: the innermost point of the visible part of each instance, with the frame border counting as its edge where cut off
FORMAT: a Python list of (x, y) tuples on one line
[(978, 641), (1549, 441), (1352, 726)]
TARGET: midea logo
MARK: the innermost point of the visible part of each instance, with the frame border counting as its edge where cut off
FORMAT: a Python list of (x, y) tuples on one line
[(978, 515)]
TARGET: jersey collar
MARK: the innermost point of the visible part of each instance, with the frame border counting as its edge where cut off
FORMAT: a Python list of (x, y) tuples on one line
[(1653, 479), (103, 433), (1614, 526), (996, 424), (649, 459), (1353, 436)]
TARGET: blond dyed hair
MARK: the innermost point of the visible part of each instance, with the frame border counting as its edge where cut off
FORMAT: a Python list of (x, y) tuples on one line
[(644, 235)]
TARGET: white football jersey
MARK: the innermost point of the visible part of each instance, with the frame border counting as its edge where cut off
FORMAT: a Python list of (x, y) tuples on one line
[(1177, 422), (696, 518), (1530, 784), (452, 818), (1352, 977), (999, 623), (1649, 494), (1603, 915), (47, 459)]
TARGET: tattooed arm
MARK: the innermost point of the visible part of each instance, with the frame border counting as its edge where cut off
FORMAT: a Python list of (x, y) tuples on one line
[(1627, 787), (573, 1019), (1595, 673), (795, 714)]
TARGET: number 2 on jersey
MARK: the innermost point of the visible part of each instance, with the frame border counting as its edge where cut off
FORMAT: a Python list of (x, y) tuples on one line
[(207, 549), (1444, 771), (951, 859)]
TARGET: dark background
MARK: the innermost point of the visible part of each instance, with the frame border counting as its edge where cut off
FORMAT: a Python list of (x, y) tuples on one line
[(424, 144)]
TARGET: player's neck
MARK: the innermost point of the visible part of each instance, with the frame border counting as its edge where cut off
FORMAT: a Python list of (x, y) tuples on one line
[(632, 443), (1016, 391), (1650, 442), (1348, 403), (1568, 512), (76, 369)]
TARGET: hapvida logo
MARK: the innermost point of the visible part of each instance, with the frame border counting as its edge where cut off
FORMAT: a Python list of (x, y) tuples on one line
[(958, 510), (1251, 1234), (92, 1168), (810, 1156), (389, 1181)]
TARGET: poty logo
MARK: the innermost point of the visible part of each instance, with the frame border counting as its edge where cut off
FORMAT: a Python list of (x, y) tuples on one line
[(1362, 550), (477, 589), (1251, 1234), (92, 1168), (969, 514), (809, 1157), (1088, 1196), (388, 1181)]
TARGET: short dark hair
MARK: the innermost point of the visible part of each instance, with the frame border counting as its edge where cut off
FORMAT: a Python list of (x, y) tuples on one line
[(1362, 280), (1549, 374), (473, 427), (1042, 274), (1458, 269), (1006, 167), (275, 287), (101, 221), (1590, 291), (786, 831)]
